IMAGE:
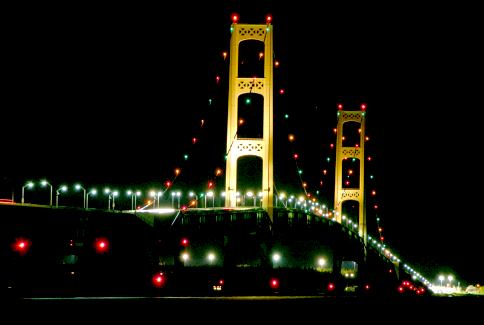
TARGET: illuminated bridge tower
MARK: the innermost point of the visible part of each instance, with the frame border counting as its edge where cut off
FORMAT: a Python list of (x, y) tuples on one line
[(342, 193), (263, 85)]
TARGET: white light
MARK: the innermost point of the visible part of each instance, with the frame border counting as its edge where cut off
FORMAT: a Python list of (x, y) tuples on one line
[(276, 257), (211, 257)]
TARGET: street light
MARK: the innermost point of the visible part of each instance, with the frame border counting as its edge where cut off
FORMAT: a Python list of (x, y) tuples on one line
[(450, 278), (108, 191), (260, 195), (111, 196), (281, 197), (178, 194), (114, 194), (211, 257), (44, 183), (321, 262), (79, 187), (93, 192), (251, 195), (210, 194), (441, 278), (133, 198), (29, 185), (63, 188), (276, 257), (192, 194), (173, 194), (153, 194)]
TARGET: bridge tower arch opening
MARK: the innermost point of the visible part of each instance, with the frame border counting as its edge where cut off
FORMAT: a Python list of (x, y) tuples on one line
[(348, 148), (241, 85)]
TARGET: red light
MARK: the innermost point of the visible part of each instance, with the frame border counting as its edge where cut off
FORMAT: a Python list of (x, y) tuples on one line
[(367, 287), (363, 107), (235, 18), (400, 289), (101, 245), (21, 245), (210, 184), (158, 280), (340, 106), (274, 283), (184, 242), (281, 91), (331, 286), (221, 281), (296, 156), (167, 184), (268, 19)]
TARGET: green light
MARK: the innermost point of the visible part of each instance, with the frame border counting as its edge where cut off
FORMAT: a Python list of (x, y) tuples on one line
[(371, 176), (299, 171), (286, 116), (247, 101), (328, 159), (231, 29), (210, 101), (185, 157), (353, 160)]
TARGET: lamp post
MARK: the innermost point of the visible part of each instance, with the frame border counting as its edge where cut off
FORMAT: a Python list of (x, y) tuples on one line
[(210, 194), (133, 198), (111, 196), (63, 188), (192, 194), (276, 257), (282, 196), (29, 185), (79, 187), (260, 195), (44, 183), (178, 195), (108, 192), (153, 194), (441, 278), (114, 194), (251, 195), (450, 278), (93, 192), (211, 257)]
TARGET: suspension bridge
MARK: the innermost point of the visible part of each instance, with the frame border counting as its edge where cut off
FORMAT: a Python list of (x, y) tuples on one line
[(238, 242)]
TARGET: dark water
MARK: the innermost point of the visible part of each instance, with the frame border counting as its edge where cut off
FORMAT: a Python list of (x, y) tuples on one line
[(230, 310)]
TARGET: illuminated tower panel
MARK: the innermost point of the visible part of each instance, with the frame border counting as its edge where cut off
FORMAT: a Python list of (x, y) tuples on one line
[(260, 147), (358, 152)]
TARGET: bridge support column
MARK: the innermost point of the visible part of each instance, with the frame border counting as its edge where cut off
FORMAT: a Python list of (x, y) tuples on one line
[(263, 85), (341, 193)]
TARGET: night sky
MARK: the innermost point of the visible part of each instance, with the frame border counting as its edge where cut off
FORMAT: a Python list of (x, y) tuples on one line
[(114, 96)]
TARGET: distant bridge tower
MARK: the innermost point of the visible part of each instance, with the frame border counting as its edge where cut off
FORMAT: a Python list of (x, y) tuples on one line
[(261, 147), (341, 193)]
